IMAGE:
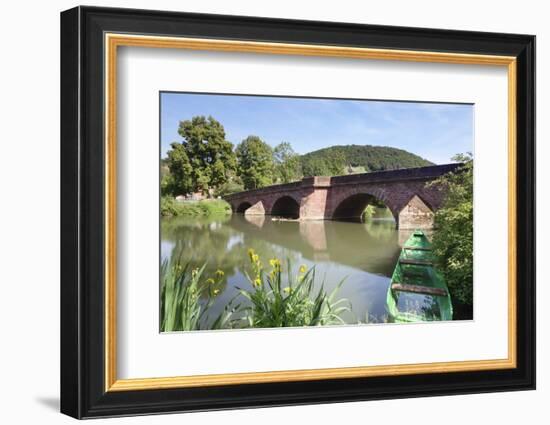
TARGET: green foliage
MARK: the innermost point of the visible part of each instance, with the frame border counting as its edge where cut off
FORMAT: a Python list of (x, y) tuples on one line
[(255, 163), (288, 167), (355, 170), (337, 160), (169, 207), (232, 186), (369, 212), (179, 178), (453, 236), (272, 305), (186, 298), (205, 159), (332, 162), (181, 306)]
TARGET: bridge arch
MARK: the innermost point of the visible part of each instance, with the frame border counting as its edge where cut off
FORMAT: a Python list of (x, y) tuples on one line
[(242, 207), (352, 207), (286, 207)]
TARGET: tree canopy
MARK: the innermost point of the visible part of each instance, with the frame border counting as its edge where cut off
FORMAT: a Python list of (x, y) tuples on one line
[(288, 167), (205, 161), (255, 163), (179, 180), (331, 162), (210, 155), (336, 160)]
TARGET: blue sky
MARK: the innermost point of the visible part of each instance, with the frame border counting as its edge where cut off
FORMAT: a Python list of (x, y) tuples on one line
[(433, 131)]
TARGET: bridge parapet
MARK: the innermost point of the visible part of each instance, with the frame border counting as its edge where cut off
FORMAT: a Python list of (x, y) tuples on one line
[(430, 172)]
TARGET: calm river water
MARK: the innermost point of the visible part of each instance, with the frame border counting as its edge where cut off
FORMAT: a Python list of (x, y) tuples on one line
[(364, 254)]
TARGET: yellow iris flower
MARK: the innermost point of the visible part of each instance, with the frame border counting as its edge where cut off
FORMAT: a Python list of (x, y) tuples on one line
[(275, 263)]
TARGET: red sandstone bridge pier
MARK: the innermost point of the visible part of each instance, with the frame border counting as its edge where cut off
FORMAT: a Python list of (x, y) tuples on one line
[(405, 192)]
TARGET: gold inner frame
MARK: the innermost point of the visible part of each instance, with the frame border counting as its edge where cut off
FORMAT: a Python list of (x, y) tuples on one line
[(113, 41)]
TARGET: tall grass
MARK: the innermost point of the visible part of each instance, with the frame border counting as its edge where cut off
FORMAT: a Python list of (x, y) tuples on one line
[(181, 308)]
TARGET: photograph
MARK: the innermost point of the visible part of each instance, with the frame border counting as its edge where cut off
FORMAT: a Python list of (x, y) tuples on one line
[(279, 211), (288, 210)]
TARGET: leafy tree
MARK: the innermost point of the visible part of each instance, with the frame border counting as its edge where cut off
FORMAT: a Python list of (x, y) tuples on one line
[(287, 163), (255, 163), (453, 236), (211, 156), (178, 179)]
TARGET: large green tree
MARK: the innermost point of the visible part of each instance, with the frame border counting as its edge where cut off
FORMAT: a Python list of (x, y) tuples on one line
[(287, 163), (179, 178), (255, 163), (453, 236), (211, 157)]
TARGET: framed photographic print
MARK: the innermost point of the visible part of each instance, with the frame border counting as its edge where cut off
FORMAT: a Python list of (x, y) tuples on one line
[(261, 212)]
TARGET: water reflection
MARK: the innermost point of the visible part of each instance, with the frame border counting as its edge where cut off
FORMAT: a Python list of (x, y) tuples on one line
[(362, 253)]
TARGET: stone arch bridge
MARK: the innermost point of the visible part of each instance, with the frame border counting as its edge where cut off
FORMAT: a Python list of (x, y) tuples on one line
[(405, 192)]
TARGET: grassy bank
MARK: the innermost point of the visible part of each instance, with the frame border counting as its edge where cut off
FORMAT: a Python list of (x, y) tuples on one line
[(169, 207)]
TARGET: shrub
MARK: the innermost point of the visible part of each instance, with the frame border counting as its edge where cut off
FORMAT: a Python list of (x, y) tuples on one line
[(453, 235)]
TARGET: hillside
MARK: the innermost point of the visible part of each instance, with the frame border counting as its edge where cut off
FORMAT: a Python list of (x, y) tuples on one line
[(349, 159)]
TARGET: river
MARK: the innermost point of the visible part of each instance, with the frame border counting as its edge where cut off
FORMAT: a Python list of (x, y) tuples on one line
[(363, 254)]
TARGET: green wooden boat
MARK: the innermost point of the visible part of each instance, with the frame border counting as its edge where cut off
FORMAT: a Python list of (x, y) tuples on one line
[(417, 291)]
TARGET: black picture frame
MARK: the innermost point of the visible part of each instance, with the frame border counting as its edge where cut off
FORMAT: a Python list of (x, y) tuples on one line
[(82, 212)]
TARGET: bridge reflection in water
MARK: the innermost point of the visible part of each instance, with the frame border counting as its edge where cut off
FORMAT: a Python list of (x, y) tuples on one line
[(372, 246), (362, 253)]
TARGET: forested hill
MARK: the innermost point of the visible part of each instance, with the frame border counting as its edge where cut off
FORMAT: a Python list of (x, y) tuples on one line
[(358, 159)]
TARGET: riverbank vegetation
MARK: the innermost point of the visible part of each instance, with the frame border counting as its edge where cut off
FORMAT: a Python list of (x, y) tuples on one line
[(272, 297), (206, 162), (182, 290), (453, 235), (170, 207)]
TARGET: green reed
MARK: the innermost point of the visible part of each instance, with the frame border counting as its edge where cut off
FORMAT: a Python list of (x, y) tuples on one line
[(181, 308)]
